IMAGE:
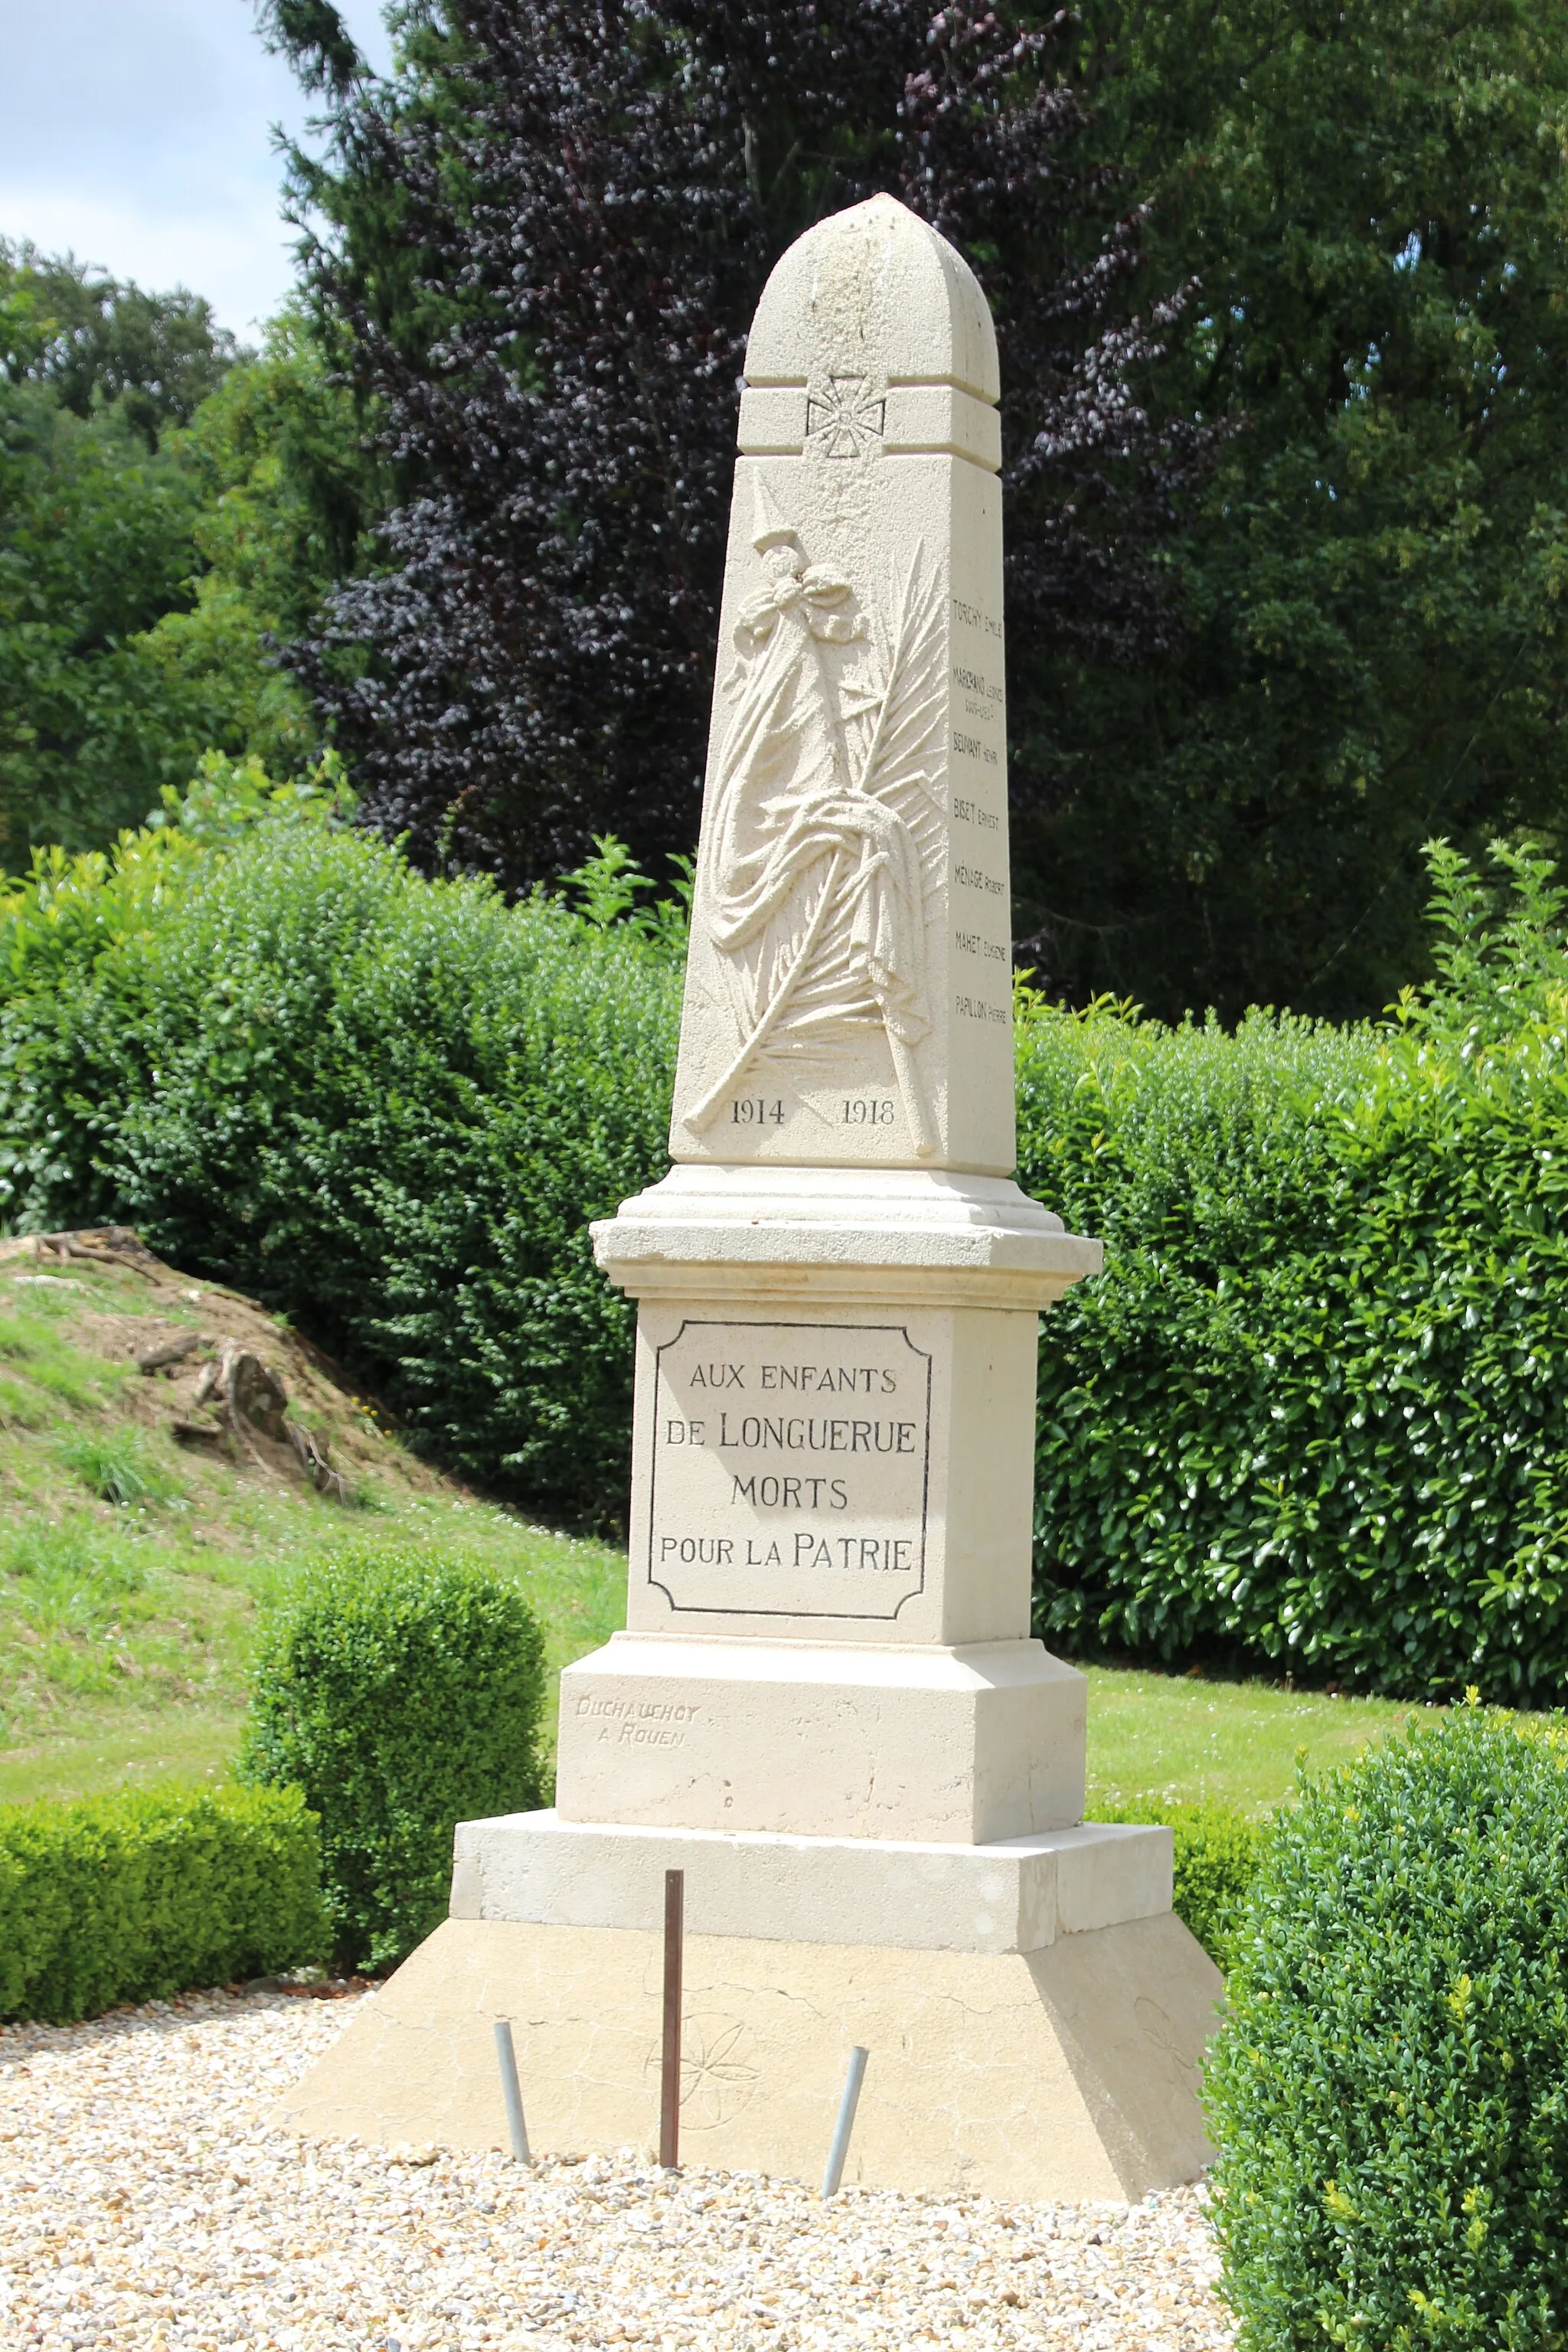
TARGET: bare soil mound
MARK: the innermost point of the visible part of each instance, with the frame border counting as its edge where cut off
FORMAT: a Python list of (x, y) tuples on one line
[(225, 1380)]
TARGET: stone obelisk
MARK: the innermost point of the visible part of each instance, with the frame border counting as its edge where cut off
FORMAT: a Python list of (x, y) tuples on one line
[(826, 1708)]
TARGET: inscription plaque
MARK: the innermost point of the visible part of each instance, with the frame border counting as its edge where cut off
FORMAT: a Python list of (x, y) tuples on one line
[(790, 1470)]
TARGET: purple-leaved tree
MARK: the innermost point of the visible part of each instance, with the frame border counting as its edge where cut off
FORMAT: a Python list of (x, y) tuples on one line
[(541, 243)]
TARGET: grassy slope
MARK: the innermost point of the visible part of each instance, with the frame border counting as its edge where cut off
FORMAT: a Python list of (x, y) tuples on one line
[(125, 1626)]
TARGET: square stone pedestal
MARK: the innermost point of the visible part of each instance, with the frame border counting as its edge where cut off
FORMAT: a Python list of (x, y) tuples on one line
[(827, 1739), (1067, 2072), (1034, 2012)]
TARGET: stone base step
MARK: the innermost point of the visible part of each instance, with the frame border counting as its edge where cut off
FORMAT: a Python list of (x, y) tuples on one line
[(1019, 1895), (1070, 2072)]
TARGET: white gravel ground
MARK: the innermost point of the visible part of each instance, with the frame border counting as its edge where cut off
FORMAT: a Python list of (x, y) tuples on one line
[(145, 2202)]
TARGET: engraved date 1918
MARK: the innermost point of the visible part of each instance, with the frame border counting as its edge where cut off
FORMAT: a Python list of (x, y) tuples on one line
[(863, 1113), (756, 1110)]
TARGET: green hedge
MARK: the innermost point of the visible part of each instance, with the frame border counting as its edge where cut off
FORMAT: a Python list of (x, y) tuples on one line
[(402, 1698), (1389, 2092), (133, 1898), (1314, 1414), (1317, 1413), (1218, 1852)]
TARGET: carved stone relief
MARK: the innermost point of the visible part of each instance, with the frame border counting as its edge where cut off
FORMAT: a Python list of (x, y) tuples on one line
[(824, 839), (847, 417)]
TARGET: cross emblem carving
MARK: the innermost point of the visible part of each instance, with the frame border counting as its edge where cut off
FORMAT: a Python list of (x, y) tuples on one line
[(849, 415)]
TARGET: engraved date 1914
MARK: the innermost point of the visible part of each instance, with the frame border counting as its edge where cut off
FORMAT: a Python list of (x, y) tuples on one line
[(756, 1110)]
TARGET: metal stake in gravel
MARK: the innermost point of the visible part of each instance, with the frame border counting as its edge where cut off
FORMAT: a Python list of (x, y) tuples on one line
[(152, 2137), (511, 2092), (670, 2083), (846, 2124)]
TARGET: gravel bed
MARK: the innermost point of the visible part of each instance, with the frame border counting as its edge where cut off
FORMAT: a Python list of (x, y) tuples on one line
[(145, 2202)]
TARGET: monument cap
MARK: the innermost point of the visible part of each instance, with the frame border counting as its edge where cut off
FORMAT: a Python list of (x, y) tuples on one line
[(874, 292)]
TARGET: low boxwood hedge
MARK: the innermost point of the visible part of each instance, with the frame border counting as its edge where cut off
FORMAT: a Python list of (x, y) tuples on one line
[(402, 1698), (1218, 1852), (132, 1897)]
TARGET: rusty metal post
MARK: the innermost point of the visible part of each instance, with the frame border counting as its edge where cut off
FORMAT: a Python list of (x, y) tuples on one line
[(674, 1953)]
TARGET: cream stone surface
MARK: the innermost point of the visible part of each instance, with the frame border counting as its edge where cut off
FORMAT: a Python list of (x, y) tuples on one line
[(921, 1235), (873, 288), (827, 1709), (838, 1280), (908, 1217), (823, 1740), (850, 985), (832, 1472), (1069, 2072), (1017, 1895)]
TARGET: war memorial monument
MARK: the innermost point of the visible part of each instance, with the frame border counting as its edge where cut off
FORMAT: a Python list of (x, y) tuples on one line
[(826, 1708)]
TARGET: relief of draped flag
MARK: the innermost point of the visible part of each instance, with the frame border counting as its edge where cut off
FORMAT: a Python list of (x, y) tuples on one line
[(822, 843)]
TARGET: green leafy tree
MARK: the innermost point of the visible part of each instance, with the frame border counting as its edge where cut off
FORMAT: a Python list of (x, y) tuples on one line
[(1371, 203), (167, 510), (96, 343), (95, 546), (287, 491)]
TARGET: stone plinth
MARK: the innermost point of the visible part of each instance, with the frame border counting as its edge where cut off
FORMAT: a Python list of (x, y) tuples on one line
[(1069, 2071), (1019, 1895), (827, 1740)]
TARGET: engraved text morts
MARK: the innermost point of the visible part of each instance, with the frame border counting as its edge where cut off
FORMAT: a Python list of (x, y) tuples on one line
[(826, 1708)]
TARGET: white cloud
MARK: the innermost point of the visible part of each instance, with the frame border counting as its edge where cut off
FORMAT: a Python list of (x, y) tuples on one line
[(138, 134)]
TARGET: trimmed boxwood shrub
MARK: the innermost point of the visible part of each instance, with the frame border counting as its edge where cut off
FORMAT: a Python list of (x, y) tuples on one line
[(1389, 2092), (402, 1698), (135, 1896)]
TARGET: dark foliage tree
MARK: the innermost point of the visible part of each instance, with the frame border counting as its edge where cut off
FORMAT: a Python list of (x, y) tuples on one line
[(1373, 199), (546, 238)]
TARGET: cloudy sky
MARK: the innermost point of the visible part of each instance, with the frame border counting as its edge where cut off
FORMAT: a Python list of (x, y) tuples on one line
[(138, 135)]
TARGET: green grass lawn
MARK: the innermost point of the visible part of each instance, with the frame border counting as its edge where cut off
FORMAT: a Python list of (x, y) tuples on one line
[(133, 1570), (1149, 1734), (91, 1727), (132, 1574), (1175, 1736)]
